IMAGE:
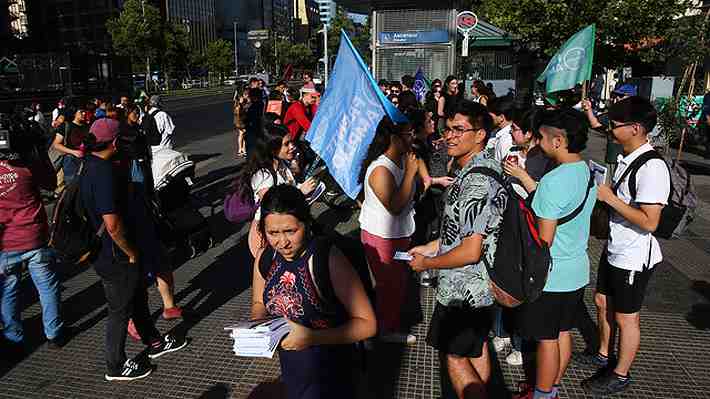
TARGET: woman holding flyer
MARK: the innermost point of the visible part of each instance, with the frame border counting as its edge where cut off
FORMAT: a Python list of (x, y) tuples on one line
[(311, 283)]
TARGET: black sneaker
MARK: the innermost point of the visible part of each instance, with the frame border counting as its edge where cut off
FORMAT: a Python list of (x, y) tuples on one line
[(132, 370), (169, 343), (590, 359), (607, 383)]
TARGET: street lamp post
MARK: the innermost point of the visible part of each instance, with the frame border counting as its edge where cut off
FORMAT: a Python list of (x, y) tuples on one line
[(147, 56), (236, 51), (325, 59)]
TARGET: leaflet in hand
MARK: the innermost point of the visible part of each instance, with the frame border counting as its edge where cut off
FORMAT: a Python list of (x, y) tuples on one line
[(404, 256), (598, 171), (258, 338)]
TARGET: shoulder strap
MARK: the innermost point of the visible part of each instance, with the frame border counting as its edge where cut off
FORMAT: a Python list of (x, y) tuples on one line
[(265, 261), (488, 172), (580, 208), (320, 272), (638, 163)]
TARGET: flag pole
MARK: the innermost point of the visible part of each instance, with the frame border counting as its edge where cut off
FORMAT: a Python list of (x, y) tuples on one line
[(584, 89)]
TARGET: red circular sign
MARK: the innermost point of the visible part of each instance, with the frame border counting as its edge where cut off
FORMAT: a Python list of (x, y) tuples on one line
[(466, 20)]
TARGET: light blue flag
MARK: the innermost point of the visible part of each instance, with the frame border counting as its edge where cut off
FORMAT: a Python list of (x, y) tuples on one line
[(350, 110)]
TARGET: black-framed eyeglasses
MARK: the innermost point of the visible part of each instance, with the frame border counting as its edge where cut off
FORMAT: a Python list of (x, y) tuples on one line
[(457, 131), (613, 125)]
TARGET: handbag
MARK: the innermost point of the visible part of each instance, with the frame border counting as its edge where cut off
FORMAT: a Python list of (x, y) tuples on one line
[(240, 208)]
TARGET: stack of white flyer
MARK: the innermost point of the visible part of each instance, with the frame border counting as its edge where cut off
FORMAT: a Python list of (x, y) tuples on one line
[(258, 338)]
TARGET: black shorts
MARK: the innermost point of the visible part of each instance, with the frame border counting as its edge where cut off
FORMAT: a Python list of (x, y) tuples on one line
[(550, 314), (460, 331), (624, 295)]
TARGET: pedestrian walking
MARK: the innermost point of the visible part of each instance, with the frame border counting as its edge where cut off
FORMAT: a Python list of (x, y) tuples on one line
[(471, 220), (118, 263), (560, 193), (158, 125), (448, 100), (239, 110), (267, 166), (632, 252), (24, 232), (387, 221), (501, 110), (68, 142), (317, 356)]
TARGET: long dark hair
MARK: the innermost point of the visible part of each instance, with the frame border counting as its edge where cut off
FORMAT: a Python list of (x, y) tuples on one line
[(261, 157), (482, 89), (383, 138)]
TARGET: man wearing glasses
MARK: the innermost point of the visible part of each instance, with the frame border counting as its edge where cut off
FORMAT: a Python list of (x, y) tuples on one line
[(470, 224), (632, 251)]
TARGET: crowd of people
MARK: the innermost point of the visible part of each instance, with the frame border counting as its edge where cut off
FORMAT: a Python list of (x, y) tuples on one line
[(425, 194), (106, 150)]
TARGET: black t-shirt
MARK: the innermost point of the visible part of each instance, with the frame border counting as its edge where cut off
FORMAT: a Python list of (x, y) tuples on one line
[(75, 134), (101, 193)]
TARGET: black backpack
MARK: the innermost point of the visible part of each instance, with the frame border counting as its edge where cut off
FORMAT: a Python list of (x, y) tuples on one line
[(522, 260), (675, 211), (150, 128), (71, 234), (321, 271)]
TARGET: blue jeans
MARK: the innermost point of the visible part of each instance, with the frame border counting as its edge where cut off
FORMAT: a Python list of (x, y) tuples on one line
[(39, 262)]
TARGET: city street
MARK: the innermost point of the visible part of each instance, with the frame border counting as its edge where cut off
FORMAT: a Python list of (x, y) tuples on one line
[(673, 361)]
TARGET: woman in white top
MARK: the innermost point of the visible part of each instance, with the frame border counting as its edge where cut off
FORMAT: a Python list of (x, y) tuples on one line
[(272, 153), (387, 220)]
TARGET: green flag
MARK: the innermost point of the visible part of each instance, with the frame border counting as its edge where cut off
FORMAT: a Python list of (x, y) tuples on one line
[(572, 64)]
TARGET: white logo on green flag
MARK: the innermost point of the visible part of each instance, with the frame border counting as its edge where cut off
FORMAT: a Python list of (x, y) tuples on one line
[(572, 64)]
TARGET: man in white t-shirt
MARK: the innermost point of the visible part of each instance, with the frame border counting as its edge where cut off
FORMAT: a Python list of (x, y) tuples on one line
[(501, 110), (632, 251)]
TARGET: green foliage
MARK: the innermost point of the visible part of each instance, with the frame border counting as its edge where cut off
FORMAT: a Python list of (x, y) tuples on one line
[(176, 48), (547, 24), (687, 42), (359, 35), (219, 57), (137, 32)]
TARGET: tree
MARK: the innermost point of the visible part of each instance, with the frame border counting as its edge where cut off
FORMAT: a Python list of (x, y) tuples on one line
[(359, 35), (279, 54), (136, 33), (219, 57), (175, 51), (621, 24)]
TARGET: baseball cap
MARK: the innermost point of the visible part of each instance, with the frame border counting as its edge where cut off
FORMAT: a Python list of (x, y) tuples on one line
[(626, 90), (105, 130)]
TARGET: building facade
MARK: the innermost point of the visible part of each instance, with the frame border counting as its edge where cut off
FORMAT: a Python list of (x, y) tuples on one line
[(70, 42), (198, 17), (247, 15), (306, 20), (326, 9)]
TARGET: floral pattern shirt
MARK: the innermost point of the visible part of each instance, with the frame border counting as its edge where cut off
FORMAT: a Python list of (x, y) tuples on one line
[(474, 204), (290, 291)]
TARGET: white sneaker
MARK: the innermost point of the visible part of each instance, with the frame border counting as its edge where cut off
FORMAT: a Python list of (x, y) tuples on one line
[(515, 358), (499, 344), (398, 338)]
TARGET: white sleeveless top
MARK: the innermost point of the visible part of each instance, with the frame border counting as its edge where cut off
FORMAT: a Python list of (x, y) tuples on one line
[(374, 217)]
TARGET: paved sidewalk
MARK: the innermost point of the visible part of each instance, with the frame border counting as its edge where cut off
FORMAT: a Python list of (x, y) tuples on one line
[(673, 361)]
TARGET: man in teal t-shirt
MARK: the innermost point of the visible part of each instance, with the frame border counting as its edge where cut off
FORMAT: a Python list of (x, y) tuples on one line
[(559, 193), (549, 319)]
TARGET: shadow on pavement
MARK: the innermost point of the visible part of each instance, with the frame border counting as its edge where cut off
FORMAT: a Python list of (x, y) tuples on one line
[(218, 391), (273, 389), (228, 276), (699, 315)]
